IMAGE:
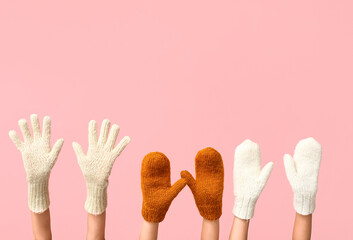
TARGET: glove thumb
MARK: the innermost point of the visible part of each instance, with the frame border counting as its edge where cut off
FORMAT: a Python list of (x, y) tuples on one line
[(190, 181), (289, 166)]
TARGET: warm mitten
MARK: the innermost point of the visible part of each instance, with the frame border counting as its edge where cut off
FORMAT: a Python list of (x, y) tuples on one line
[(249, 179), (97, 164), (208, 186), (302, 172), (157, 191), (38, 160)]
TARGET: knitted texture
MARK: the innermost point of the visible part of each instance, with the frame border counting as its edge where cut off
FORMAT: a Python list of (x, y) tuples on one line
[(97, 164), (208, 186), (248, 178), (302, 172), (38, 159), (156, 187)]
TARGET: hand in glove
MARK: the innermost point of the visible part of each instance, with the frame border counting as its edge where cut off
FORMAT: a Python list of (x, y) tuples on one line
[(97, 164), (249, 179), (302, 172), (156, 187), (208, 186), (38, 159)]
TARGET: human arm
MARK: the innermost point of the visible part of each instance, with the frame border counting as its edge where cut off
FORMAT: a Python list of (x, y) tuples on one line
[(96, 226), (302, 227), (239, 229), (149, 230), (210, 229), (41, 225)]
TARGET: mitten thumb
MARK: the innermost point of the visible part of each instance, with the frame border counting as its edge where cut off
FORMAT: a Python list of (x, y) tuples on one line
[(190, 181), (265, 173), (289, 166), (176, 188)]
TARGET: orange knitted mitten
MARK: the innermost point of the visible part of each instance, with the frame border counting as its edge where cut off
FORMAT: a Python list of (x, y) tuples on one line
[(157, 191), (208, 186)]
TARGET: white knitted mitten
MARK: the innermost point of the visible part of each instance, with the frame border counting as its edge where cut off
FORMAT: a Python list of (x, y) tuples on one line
[(248, 178), (97, 164), (38, 160), (302, 172)]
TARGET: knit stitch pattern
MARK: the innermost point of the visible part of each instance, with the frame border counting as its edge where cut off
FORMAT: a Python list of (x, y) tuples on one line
[(208, 186), (302, 172), (97, 164), (38, 159), (157, 191), (249, 179)]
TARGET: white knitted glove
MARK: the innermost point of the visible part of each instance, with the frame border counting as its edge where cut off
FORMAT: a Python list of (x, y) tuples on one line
[(302, 172), (248, 178), (38, 160), (97, 164)]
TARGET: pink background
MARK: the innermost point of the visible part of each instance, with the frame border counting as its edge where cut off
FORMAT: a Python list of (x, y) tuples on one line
[(178, 76)]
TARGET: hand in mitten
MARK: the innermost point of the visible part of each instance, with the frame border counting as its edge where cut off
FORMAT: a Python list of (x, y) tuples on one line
[(97, 164), (249, 179), (156, 187), (302, 172), (38, 159), (208, 186)]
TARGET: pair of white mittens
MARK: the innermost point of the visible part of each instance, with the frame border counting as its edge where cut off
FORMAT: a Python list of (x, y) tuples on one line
[(96, 165), (249, 180)]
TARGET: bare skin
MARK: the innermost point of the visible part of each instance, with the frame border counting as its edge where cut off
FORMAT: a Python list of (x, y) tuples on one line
[(210, 230), (239, 229), (302, 227), (41, 225), (96, 226), (149, 231)]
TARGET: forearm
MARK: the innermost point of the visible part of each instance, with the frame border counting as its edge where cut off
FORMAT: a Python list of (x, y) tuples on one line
[(239, 229), (41, 225), (210, 230), (302, 227), (96, 226), (149, 231)]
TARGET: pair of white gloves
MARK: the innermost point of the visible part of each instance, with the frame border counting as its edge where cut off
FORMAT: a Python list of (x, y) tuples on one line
[(96, 165), (249, 180)]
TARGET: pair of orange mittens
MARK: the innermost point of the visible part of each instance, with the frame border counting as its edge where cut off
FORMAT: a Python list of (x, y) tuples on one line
[(158, 193)]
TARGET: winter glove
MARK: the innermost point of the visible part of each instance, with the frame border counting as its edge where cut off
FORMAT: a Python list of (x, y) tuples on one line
[(302, 172), (38, 160), (156, 188), (248, 178), (97, 164), (208, 186)]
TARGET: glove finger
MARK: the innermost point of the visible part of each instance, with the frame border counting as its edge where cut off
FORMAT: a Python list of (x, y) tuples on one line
[(176, 188), (35, 126), (114, 131), (289, 166), (78, 150), (46, 127), (190, 181), (92, 133), (15, 139), (265, 173), (27, 137), (121, 146), (248, 154), (103, 135), (56, 150)]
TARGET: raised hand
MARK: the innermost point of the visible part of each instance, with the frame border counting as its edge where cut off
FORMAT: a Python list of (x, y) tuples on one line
[(302, 172), (249, 179), (208, 186), (156, 187), (97, 164), (38, 159)]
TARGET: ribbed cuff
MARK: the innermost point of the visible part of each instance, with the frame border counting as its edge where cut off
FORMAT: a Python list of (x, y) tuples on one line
[(96, 201), (38, 196), (244, 207), (304, 204)]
